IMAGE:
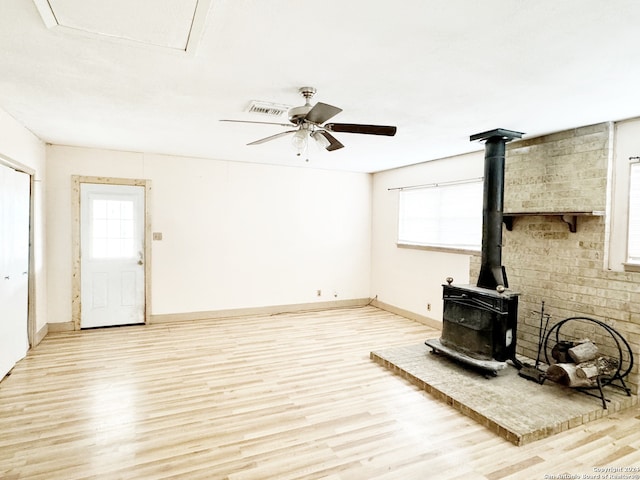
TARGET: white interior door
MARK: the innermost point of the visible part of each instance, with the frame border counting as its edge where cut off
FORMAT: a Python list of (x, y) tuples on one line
[(15, 192), (111, 255)]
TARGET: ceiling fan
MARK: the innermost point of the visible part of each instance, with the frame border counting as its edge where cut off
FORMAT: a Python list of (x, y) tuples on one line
[(309, 122)]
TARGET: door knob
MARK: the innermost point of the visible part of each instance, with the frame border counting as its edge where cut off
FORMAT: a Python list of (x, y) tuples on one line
[(139, 262)]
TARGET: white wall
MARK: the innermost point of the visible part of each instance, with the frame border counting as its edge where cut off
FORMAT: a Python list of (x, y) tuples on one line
[(405, 278), (18, 146), (235, 235)]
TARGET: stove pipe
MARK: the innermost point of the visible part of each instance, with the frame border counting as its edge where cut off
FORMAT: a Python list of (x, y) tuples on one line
[(492, 272)]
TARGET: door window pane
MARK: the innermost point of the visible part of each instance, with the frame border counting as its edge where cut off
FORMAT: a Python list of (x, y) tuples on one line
[(112, 229)]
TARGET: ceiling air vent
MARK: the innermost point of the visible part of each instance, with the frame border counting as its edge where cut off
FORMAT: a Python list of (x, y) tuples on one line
[(268, 108)]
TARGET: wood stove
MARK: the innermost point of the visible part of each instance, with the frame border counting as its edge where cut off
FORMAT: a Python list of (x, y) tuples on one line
[(479, 322)]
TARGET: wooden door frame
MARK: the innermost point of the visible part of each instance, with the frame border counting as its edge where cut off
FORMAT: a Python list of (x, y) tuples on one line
[(76, 280)]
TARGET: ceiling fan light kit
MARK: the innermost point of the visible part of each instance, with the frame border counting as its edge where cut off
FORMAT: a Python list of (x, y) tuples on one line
[(309, 122), (300, 141), (322, 141)]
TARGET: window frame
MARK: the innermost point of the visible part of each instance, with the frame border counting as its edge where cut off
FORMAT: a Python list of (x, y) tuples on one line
[(632, 257), (624, 150)]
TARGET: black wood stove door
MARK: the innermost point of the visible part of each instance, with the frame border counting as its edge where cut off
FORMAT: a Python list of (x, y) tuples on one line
[(480, 323)]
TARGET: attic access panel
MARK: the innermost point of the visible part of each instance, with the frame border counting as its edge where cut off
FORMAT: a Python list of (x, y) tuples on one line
[(173, 24)]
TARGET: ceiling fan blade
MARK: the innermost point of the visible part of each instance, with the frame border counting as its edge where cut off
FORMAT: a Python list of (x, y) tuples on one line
[(272, 137), (358, 128), (321, 112), (261, 123), (330, 142)]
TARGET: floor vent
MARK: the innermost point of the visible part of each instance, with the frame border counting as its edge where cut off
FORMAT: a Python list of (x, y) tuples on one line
[(267, 108)]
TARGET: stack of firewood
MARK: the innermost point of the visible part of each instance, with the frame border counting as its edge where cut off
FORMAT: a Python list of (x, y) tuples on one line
[(581, 366)]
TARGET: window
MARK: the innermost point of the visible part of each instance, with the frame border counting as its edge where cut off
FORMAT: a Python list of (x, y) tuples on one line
[(623, 233), (445, 216), (633, 237)]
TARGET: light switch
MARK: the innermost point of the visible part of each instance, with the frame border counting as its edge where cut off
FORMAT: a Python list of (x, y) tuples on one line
[(157, 235)]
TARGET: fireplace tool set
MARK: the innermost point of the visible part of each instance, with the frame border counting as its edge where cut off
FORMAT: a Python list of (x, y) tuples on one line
[(535, 373)]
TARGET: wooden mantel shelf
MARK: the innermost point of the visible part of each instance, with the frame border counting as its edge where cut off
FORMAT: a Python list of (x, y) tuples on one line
[(570, 218)]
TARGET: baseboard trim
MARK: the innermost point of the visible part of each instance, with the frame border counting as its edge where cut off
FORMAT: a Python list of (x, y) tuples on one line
[(60, 327), (429, 322), (269, 310), (40, 334)]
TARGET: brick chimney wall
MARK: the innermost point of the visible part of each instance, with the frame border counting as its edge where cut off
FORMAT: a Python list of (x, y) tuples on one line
[(564, 172)]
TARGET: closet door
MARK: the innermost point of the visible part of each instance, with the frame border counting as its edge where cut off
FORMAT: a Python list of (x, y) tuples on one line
[(14, 266)]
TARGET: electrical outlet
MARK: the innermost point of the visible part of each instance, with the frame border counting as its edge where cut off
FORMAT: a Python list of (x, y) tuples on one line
[(428, 307), (318, 293)]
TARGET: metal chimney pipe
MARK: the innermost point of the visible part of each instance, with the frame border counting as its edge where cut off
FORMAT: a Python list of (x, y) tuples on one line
[(492, 273)]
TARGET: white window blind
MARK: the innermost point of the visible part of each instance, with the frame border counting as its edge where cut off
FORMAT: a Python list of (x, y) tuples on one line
[(442, 216), (633, 241)]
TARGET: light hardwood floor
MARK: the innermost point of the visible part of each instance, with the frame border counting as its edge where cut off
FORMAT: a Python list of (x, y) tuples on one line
[(292, 396)]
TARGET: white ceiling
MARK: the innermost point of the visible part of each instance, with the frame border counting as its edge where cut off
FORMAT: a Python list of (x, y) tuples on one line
[(438, 70)]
